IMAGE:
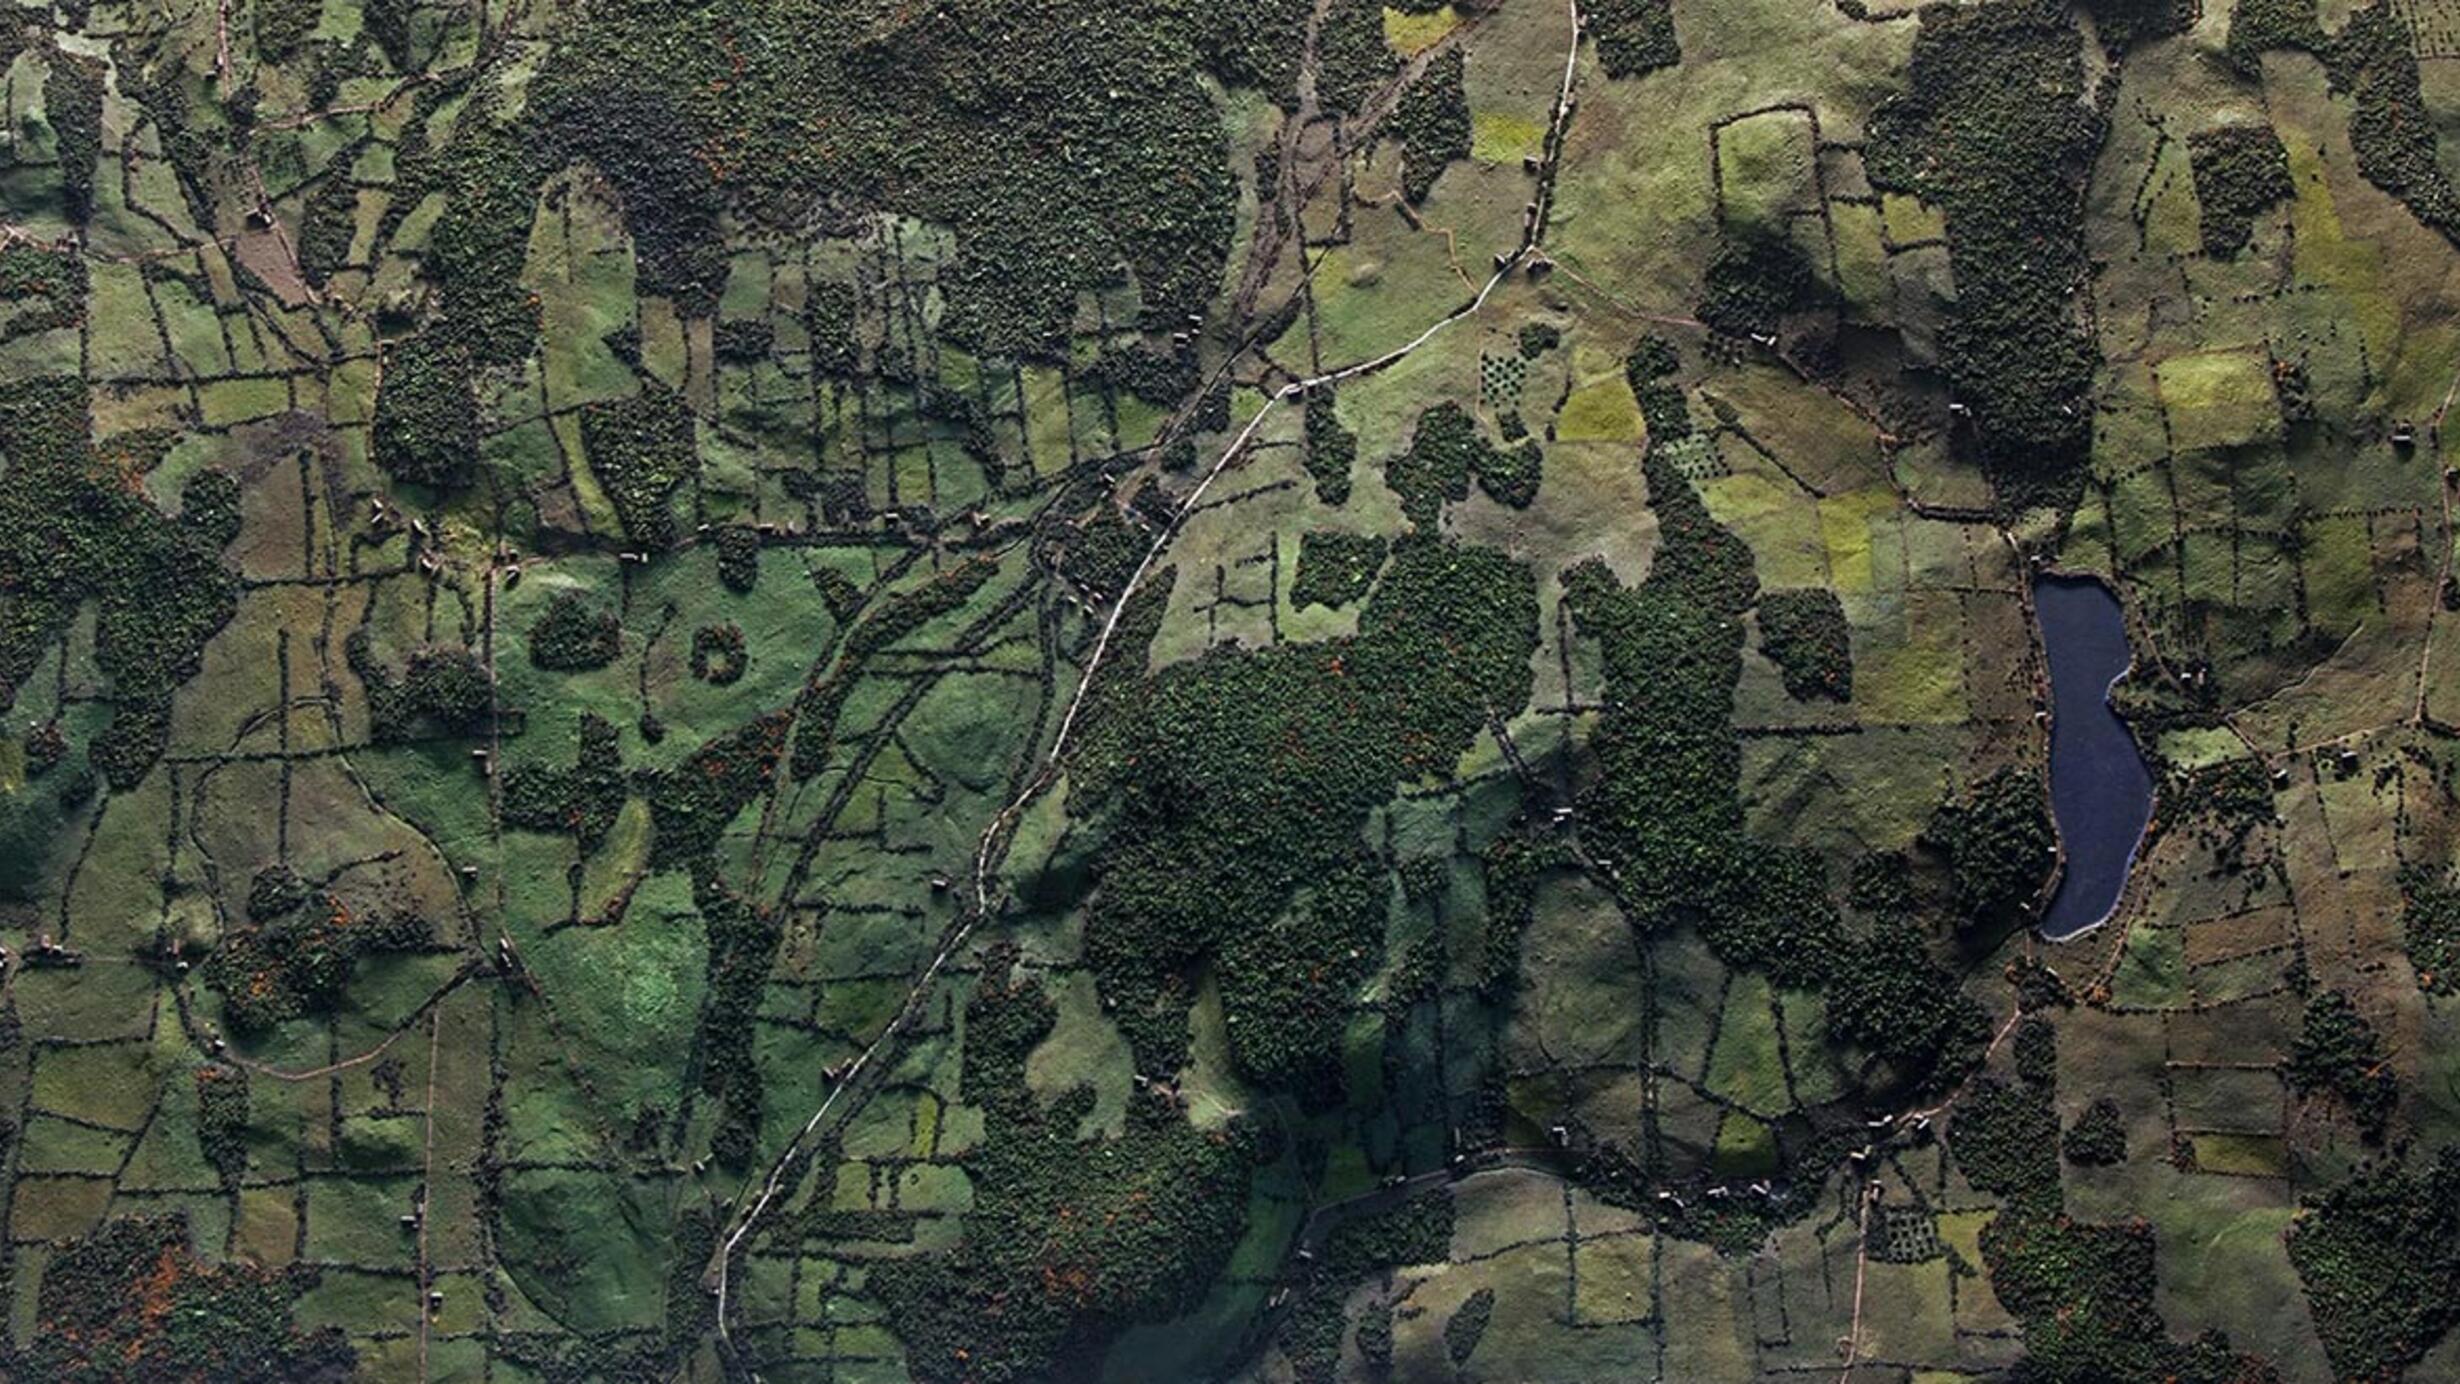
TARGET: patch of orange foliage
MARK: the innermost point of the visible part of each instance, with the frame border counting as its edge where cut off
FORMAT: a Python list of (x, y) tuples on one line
[(153, 1297)]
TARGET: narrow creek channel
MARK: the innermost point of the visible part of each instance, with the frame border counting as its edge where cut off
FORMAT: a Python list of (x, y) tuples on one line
[(2100, 790)]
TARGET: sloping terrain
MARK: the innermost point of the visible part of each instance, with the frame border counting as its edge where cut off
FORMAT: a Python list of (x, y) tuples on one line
[(1292, 691)]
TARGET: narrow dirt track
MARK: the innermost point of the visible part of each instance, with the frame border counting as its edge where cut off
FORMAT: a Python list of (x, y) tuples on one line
[(857, 1077)]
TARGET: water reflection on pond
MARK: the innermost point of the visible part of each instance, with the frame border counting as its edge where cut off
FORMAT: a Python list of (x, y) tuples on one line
[(2100, 790)]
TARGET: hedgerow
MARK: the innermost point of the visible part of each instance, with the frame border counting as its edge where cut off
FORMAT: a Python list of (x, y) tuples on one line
[(830, 1223), (907, 611), (838, 592), (891, 620)]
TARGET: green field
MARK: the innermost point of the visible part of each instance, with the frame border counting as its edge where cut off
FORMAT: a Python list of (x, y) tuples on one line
[(1011, 691)]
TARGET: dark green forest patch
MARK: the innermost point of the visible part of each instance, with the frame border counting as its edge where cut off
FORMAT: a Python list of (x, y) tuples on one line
[(2239, 171), (1068, 1242), (1336, 568), (1804, 634), (1238, 777), (1995, 130)]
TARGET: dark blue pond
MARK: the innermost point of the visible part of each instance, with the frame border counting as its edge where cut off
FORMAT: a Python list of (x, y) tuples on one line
[(2100, 792)]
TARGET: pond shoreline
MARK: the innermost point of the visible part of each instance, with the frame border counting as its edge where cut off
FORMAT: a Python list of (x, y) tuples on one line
[(2099, 783)]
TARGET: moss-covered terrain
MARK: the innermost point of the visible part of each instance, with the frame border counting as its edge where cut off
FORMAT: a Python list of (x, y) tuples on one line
[(1048, 691)]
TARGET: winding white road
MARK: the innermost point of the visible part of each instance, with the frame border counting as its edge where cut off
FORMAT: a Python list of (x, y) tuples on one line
[(748, 1216)]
